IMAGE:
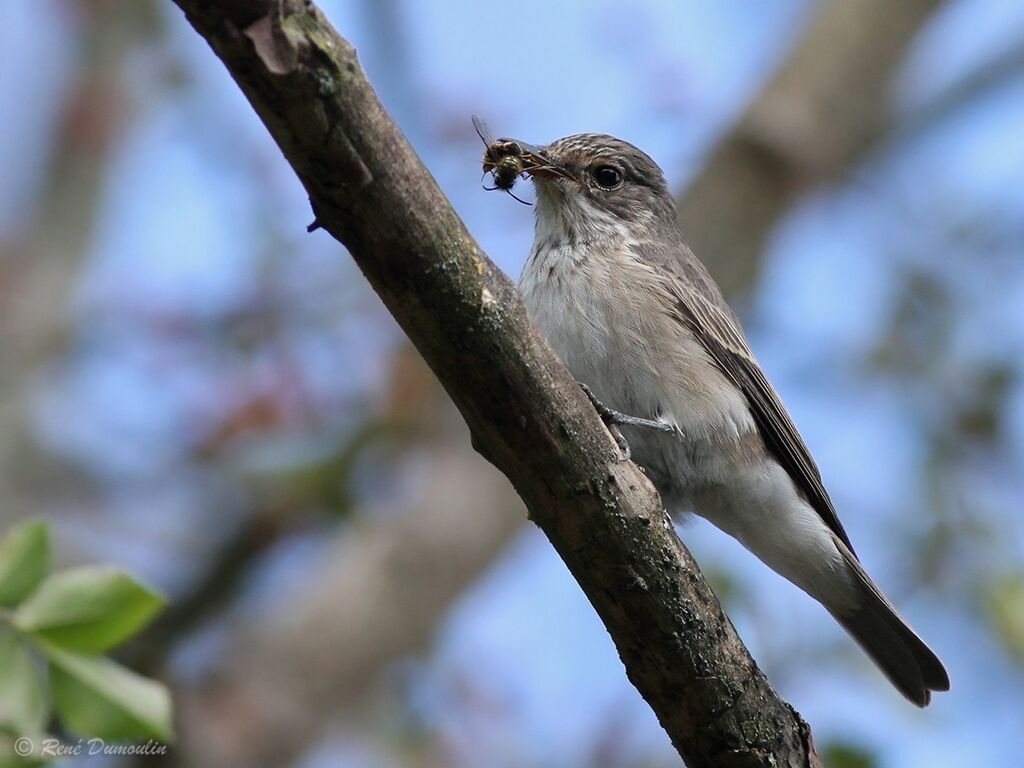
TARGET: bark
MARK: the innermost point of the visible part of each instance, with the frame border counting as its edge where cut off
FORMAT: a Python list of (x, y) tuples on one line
[(817, 116), (524, 410)]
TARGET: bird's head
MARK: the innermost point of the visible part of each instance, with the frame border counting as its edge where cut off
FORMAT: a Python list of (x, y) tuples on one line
[(594, 186)]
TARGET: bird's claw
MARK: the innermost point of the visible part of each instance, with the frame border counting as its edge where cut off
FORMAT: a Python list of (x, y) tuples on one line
[(620, 440), (613, 419)]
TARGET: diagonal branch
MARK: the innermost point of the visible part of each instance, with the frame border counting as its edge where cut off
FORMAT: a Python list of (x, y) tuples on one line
[(524, 410)]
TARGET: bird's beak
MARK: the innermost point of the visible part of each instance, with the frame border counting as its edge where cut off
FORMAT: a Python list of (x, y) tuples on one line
[(539, 164), (536, 160)]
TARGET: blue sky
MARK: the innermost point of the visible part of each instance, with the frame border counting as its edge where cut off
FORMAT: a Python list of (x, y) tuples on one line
[(192, 163)]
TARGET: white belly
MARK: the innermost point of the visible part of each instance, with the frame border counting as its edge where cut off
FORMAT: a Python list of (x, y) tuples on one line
[(608, 319)]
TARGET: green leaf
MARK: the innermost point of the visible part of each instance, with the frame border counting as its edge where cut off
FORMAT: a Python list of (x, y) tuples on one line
[(847, 755), (23, 708), (89, 609), (98, 698), (1005, 599), (24, 560)]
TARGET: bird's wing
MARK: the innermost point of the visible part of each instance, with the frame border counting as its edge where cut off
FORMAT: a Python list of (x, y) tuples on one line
[(700, 306)]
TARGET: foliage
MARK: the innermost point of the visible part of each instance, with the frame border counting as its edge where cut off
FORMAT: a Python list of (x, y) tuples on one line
[(53, 632), (845, 755)]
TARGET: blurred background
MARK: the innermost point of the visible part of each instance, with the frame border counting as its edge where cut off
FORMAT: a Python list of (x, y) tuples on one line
[(194, 388)]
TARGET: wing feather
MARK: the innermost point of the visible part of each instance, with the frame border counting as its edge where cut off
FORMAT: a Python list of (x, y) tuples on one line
[(719, 332)]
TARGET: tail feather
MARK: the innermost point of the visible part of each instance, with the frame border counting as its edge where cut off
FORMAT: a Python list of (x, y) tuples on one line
[(903, 656)]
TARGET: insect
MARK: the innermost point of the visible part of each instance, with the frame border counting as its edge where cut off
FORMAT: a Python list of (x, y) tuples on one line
[(505, 159)]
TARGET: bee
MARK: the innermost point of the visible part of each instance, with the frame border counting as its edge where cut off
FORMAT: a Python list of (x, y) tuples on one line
[(505, 159)]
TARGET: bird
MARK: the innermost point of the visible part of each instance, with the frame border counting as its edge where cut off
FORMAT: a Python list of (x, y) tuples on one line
[(612, 285)]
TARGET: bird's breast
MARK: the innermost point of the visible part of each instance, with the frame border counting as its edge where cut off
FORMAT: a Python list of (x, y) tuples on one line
[(562, 288), (608, 316)]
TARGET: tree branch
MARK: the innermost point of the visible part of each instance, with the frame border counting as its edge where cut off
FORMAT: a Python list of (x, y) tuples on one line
[(526, 413)]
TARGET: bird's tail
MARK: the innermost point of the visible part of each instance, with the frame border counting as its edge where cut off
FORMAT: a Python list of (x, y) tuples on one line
[(903, 656)]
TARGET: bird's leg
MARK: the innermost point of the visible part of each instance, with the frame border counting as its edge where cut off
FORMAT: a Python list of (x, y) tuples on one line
[(611, 416), (613, 419)]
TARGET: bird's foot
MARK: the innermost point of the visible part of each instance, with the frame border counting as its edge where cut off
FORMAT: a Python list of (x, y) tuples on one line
[(613, 419)]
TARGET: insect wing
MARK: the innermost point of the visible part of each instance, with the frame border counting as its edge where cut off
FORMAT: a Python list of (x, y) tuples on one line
[(482, 130), (530, 149)]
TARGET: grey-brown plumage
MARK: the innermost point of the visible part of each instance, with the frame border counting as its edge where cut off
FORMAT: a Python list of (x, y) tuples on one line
[(637, 319)]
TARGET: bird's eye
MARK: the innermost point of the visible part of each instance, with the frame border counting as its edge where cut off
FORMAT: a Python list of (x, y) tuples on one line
[(607, 176)]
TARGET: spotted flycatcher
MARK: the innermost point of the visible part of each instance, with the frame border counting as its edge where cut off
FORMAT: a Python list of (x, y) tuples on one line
[(639, 321)]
